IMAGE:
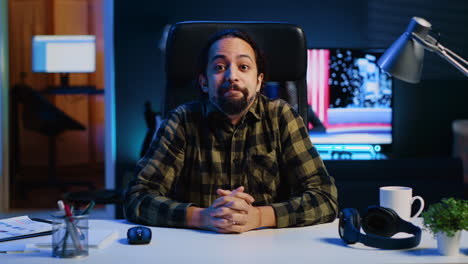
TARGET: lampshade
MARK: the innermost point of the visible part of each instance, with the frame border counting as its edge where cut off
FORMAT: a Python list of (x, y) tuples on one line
[(405, 56)]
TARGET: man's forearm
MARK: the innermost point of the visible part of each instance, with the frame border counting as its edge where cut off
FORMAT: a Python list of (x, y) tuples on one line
[(148, 208), (307, 209)]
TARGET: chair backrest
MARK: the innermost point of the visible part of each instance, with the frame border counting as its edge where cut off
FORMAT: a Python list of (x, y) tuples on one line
[(282, 44)]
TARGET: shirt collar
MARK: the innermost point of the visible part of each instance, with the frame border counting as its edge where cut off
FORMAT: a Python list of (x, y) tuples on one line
[(255, 109)]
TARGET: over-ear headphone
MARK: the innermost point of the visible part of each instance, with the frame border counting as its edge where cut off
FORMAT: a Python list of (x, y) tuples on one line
[(380, 224)]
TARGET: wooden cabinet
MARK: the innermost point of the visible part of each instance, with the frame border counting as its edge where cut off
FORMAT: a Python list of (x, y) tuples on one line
[(58, 17), (26, 18)]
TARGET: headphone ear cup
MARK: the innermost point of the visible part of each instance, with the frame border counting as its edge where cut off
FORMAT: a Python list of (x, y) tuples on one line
[(356, 218), (380, 221), (349, 225)]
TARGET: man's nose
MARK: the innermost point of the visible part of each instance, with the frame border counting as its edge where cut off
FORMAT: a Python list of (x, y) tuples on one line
[(231, 74)]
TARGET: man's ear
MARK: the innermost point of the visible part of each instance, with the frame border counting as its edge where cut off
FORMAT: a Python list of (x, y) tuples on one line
[(259, 82), (203, 83)]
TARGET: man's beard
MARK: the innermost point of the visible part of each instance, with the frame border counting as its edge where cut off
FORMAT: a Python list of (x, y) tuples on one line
[(233, 106)]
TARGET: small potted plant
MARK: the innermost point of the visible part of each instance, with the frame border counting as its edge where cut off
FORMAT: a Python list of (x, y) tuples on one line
[(446, 220)]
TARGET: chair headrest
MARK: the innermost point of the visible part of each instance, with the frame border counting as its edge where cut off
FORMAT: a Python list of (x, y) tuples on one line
[(283, 45)]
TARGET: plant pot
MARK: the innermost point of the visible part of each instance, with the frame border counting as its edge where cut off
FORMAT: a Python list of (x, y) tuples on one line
[(448, 246)]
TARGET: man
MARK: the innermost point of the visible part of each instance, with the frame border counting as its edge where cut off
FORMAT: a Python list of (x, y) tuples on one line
[(234, 162)]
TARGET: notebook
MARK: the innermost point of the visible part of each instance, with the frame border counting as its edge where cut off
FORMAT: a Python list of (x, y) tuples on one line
[(23, 227), (98, 238)]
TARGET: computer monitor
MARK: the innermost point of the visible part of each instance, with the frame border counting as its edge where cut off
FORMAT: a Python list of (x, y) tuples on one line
[(350, 103), (64, 54)]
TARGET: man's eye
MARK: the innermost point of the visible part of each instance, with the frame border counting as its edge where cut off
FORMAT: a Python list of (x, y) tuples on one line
[(220, 67), (244, 67)]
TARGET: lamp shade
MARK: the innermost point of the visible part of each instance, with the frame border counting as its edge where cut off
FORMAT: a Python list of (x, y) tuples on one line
[(404, 58)]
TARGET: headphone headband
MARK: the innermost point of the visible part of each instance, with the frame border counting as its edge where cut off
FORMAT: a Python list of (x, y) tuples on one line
[(380, 224)]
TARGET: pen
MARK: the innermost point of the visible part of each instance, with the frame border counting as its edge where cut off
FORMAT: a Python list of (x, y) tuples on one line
[(41, 220), (69, 213), (70, 226), (19, 251), (89, 208), (64, 245)]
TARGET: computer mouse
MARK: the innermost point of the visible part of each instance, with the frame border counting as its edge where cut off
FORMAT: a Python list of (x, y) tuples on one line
[(138, 235)]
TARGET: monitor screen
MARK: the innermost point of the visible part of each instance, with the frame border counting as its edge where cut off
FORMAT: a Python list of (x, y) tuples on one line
[(349, 98), (64, 54)]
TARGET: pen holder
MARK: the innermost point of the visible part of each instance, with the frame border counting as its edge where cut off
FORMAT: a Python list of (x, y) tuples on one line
[(69, 236)]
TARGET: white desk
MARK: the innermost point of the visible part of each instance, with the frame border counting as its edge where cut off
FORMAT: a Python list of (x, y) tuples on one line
[(314, 244)]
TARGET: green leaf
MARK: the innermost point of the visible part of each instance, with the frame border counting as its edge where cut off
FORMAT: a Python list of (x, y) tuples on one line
[(449, 216)]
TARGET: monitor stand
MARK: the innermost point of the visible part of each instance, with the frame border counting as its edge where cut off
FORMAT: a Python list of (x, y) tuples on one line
[(65, 87), (64, 79)]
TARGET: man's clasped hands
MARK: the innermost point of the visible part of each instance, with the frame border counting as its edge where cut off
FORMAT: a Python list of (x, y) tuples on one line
[(232, 212)]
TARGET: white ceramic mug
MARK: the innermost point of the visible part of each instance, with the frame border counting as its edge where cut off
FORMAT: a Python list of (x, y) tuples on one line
[(400, 199)]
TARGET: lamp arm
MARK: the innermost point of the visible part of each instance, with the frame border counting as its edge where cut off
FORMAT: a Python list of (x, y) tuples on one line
[(454, 55), (445, 53), (454, 59)]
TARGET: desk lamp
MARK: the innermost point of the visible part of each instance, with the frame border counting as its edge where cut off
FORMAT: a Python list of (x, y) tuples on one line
[(405, 57)]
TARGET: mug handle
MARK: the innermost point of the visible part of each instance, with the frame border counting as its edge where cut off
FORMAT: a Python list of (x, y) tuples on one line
[(421, 200)]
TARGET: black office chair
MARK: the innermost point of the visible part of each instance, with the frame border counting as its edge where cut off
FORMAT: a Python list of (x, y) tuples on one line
[(283, 45)]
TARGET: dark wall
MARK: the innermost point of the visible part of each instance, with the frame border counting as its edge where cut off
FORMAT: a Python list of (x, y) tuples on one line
[(422, 112), (423, 116), (358, 181)]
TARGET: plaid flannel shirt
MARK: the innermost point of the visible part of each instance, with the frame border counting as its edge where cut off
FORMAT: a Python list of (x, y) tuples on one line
[(197, 150)]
